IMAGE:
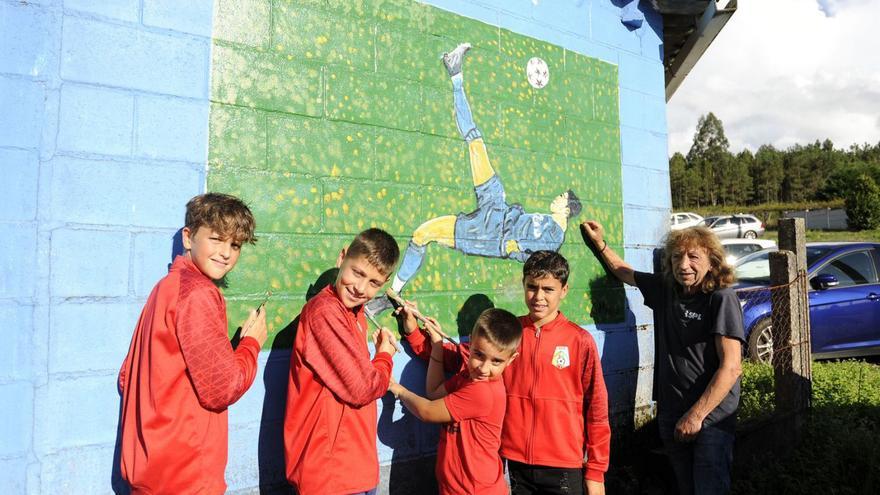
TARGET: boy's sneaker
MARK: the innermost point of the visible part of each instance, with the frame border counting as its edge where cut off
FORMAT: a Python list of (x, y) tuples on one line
[(455, 58)]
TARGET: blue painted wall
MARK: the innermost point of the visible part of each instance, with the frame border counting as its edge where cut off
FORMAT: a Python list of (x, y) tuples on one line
[(103, 138)]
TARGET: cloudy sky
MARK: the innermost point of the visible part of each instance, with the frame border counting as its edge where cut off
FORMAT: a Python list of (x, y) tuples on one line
[(787, 71)]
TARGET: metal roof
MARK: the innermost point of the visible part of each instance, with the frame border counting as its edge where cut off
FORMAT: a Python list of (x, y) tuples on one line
[(689, 27)]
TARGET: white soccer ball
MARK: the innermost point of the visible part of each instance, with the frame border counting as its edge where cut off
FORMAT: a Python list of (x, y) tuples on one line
[(537, 72)]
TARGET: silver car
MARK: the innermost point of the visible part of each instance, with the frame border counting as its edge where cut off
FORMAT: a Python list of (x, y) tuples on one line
[(734, 226), (683, 220), (737, 248)]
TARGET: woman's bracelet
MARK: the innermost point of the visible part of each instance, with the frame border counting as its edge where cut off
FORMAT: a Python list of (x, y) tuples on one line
[(604, 247)]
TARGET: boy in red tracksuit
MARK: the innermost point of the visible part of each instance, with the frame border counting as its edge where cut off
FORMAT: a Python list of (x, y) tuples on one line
[(557, 404), (181, 372), (471, 404), (331, 416)]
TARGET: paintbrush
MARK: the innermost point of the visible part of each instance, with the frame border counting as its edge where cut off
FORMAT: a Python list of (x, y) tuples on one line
[(377, 325), (395, 297), (259, 309)]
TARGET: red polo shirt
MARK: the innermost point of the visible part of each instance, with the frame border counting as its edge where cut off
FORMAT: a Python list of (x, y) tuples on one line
[(467, 455)]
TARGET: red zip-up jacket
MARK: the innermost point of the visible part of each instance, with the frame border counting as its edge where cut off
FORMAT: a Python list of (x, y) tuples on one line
[(177, 380), (557, 404), (330, 422)]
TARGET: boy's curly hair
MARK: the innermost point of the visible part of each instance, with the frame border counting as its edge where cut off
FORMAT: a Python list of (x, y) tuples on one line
[(720, 274), (543, 263), (378, 247), (226, 215)]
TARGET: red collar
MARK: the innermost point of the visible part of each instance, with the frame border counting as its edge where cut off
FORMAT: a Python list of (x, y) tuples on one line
[(355, 311), (185, 263), (560, 320)]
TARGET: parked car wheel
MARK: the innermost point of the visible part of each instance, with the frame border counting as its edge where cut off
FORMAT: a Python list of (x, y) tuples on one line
[(761, 342), (750, 234)]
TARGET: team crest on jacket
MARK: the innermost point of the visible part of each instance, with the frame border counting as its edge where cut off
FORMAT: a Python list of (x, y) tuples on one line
[(560, 357)]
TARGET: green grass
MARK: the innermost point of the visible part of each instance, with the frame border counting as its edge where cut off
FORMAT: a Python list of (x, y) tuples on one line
[(839, 452), (835, 383), (756, 401)]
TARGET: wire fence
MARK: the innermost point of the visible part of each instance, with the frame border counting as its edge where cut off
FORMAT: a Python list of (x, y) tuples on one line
[(805, 426), (778, 358), (762, 324), (778, 378)]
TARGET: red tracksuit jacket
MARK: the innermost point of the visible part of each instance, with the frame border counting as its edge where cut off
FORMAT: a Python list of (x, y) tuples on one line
[(557, 404), (177, 380), (330, 422)]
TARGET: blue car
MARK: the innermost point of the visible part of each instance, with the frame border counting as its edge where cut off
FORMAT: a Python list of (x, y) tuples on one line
[(844, 300)]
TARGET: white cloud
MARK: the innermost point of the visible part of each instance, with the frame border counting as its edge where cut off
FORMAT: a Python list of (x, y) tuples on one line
[(784, 72), (831, 7), (828, 7)]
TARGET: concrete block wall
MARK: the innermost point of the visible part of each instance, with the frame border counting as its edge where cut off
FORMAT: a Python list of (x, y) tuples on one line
[(104, 136)]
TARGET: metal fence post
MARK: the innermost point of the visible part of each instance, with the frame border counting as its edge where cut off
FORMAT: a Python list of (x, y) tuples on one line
[(791, 320)]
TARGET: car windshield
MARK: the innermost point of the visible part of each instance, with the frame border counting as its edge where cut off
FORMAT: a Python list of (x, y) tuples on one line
[(755, 268), (738, 250), (708, 221)]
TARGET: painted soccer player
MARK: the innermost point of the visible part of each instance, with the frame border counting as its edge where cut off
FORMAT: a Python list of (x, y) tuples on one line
[(495, 229)]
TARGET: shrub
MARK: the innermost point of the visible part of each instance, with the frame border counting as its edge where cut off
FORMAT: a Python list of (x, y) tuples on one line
[(840, 448), (863, 204), (756, 400)]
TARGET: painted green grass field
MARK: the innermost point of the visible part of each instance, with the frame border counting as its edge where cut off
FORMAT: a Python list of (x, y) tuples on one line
[(332, 116)]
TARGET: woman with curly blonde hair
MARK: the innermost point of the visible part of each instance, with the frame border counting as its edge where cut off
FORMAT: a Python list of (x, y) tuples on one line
[(698, 337), (720, 274)]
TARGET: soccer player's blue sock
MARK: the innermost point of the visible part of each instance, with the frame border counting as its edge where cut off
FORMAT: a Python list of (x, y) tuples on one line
[(412, 261), (463, 117)]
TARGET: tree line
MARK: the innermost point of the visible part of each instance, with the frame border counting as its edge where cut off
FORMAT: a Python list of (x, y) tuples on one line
[(711, 175)]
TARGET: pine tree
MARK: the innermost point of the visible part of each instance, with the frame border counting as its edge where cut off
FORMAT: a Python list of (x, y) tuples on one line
[(768, 174), (740, 188), (710, 156), (677, 181)]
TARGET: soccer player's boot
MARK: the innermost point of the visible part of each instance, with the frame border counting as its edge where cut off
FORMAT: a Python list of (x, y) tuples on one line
[(378, 305), (455, 58)]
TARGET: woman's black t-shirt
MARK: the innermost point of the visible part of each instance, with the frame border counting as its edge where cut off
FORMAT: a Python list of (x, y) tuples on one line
[(685, 356)]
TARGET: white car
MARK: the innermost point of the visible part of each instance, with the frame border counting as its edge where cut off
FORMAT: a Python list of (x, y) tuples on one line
[(737, 248), (735, 226), (683, 220)]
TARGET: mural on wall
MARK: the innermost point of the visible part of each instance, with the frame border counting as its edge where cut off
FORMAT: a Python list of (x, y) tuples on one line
[(495, 229), (337, 117)]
